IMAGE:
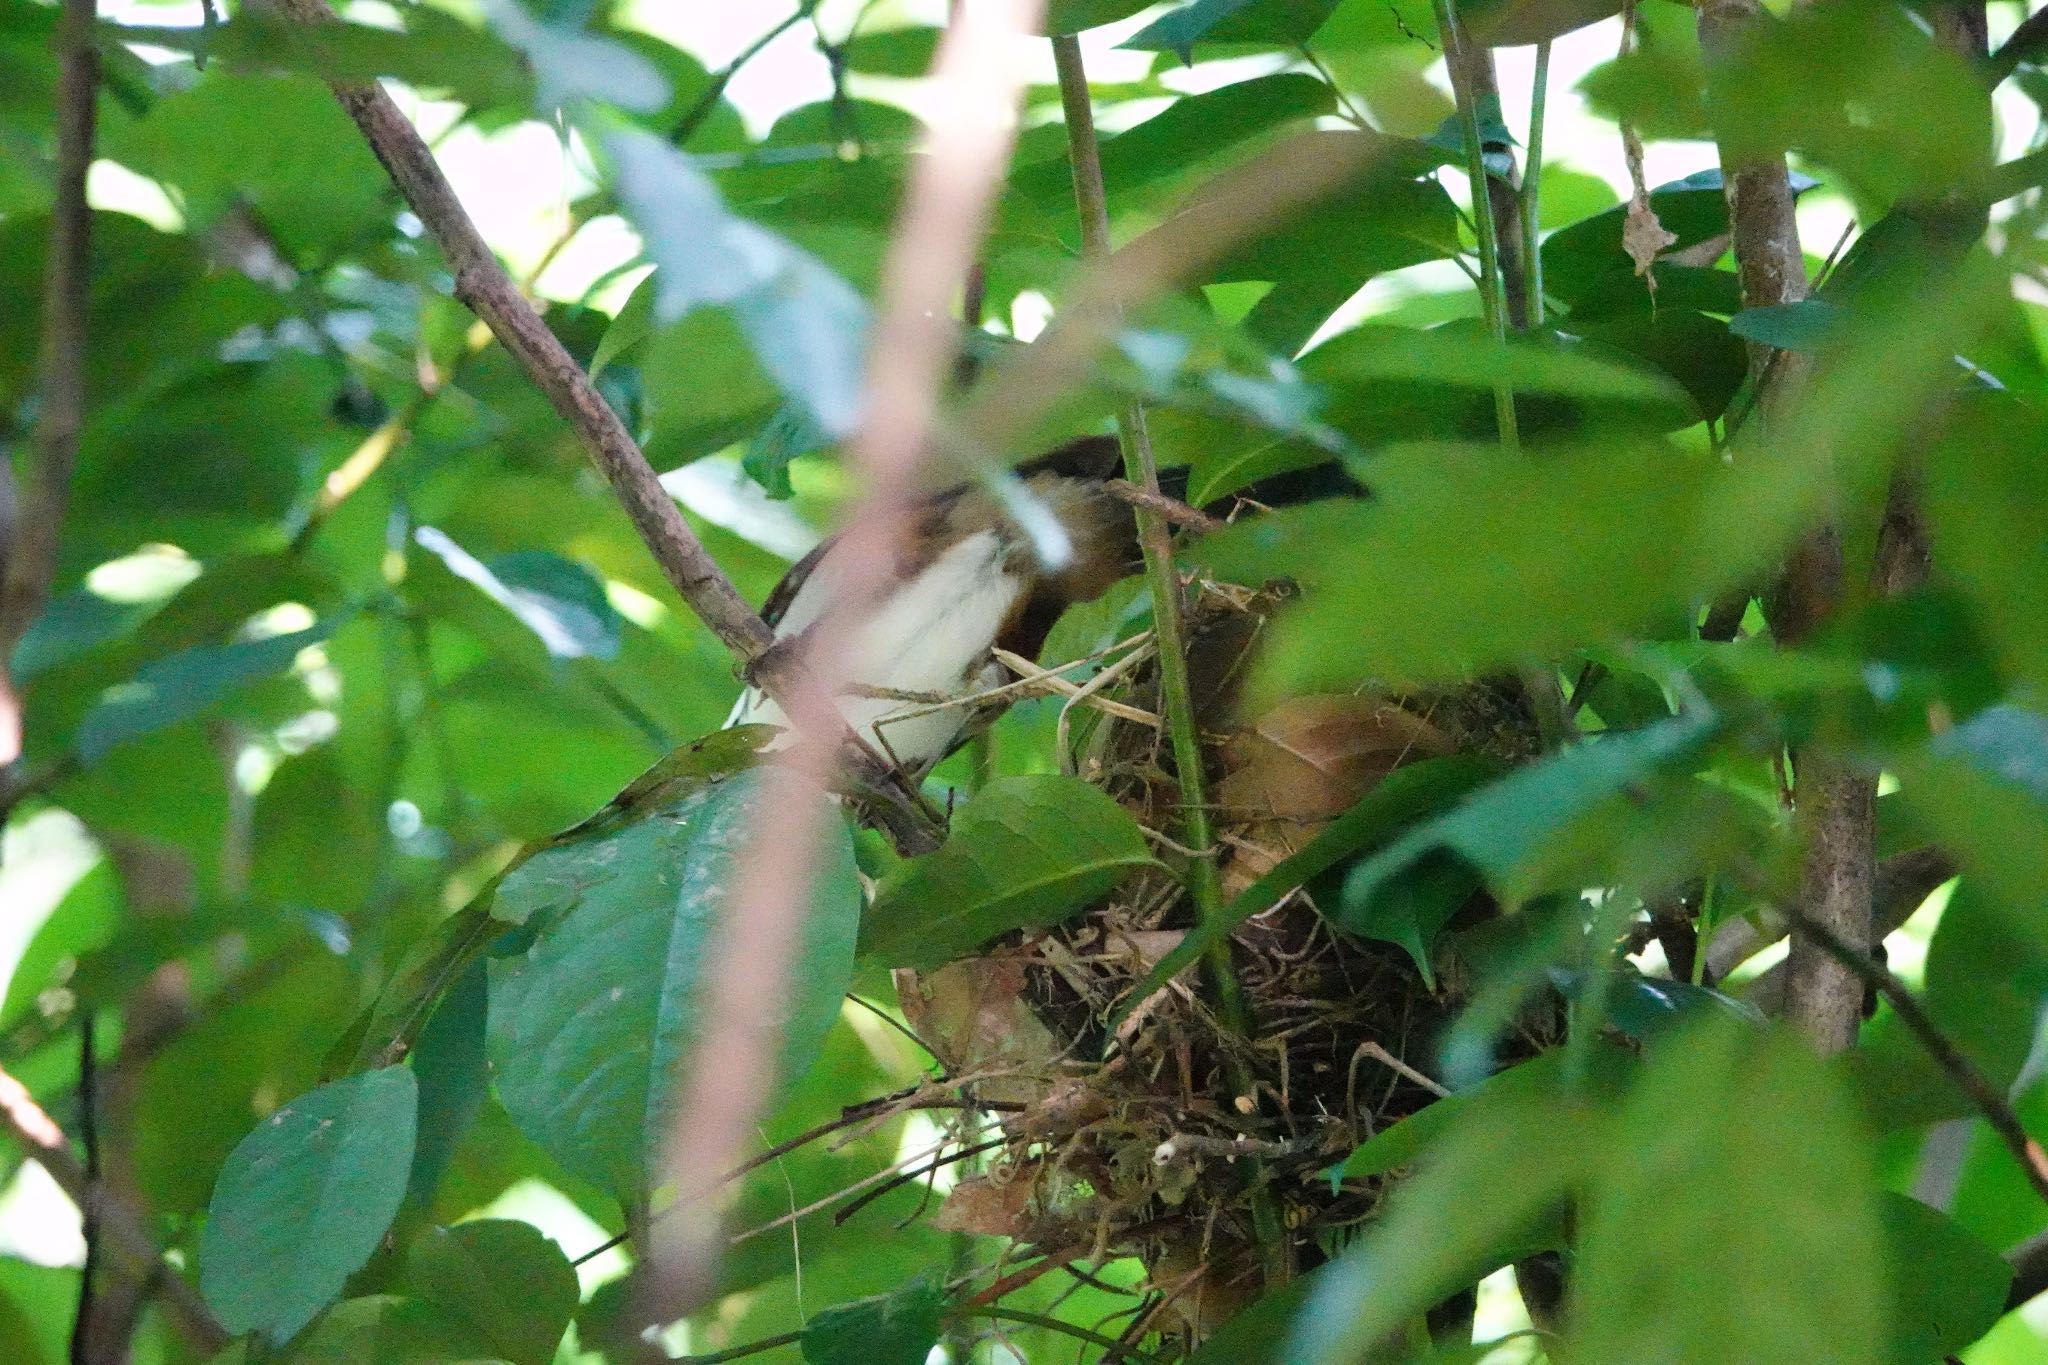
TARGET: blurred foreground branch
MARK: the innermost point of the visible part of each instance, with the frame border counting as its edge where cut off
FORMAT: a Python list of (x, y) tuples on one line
[(31, 519), (946, 208)]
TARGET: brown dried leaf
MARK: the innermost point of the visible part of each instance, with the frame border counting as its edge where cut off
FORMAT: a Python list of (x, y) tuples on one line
[(986, 1208)]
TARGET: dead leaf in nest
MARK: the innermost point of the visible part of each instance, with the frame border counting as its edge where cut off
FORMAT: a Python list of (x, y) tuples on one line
[(1304, 763), (1310, 758), (972, 1014), (986, 1208)]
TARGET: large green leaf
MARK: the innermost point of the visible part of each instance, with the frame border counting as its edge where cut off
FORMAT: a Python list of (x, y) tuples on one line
[(1511, 833), (436, 51), (590, 1025), (1982, 790), (508, 1283), (304, 1200), (804, 323), (889, 1329), (1192, 129), (1738, 1218), (1283, 22), (1026, 852), (1947, 1287), (1987, 500)]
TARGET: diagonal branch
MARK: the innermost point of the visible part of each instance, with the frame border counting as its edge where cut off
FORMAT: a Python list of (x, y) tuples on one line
[(484, 287), (28, 531)]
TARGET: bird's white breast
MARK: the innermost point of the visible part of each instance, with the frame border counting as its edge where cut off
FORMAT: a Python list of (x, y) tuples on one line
[(931, 634)]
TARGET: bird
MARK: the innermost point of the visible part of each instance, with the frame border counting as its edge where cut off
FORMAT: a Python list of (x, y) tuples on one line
[(971, 580)]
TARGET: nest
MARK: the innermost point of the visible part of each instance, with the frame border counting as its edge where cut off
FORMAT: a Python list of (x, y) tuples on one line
[(1148, 1127)]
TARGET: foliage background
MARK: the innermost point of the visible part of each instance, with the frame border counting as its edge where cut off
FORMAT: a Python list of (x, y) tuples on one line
[(343, 619)]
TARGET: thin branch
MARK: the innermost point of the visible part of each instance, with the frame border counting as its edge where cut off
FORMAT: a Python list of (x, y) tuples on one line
[(1990, 1101), (1532, 188), (483, 286), (1472, 75), (946, 208), (2028, 41), (29, 523), (45, 1144), (89, 1219), (1117, 1349), (1170, 508)]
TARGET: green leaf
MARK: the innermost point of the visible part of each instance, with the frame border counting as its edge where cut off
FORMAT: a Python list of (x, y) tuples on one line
[(560, 601), (304, 1200), (1406, 795), (889, 1329), (806, 325), (1486, 1195), (504, 1280), (1190, 130), (1982, 791), (389, 1330), (1402, 1143), (1807, 325), (588, 1027), (436, 52), (1511, 831), (454, 1081), (437, 964), (189, 682), (893, 52), (1738, 1219), (1517, 23), (1947, 1287), (1987, 503), (1284, 22), (1074, 16), (1025, 853), (570, 65), (790, 433)]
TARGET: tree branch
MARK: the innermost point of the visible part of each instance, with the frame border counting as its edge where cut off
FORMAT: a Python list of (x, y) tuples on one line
[(1991, 1102), (2028, 41), (1904, 881), (484, 287), (1836, 799), (486, 290), (29, 523), (45, 1143)]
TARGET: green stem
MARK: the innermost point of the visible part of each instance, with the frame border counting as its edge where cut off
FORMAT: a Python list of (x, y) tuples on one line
[(1493, 301), (1141, 468), (1532, 184), (752, 1348), (1170, 628), (1117, 1349)]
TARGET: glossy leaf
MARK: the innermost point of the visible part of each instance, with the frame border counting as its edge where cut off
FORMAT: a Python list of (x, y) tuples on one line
[(589, 1025), (503, 1280), (557, 600), (303, 1201), (891, 1329), (1025, 853), (1947, 1286), (1506, 831)]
